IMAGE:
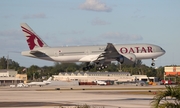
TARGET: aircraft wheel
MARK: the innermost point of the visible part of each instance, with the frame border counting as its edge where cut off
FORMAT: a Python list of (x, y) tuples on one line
[(99, 68), (84, 68), (91, 66), (102, 67), (152, 64)]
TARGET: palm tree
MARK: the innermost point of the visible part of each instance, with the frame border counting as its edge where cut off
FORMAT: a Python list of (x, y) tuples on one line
[(169, 98)]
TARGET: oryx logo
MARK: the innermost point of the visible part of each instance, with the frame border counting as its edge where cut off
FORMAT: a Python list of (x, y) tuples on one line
[(32, 39)]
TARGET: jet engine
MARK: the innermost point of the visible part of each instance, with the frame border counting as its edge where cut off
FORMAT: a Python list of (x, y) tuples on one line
[(120, 59), (127, 59)]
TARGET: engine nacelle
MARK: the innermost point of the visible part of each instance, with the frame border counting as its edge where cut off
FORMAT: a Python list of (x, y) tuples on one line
[(121, 59), (127, 59)]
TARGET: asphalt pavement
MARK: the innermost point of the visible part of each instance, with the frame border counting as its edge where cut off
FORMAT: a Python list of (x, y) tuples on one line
[(95, 96)]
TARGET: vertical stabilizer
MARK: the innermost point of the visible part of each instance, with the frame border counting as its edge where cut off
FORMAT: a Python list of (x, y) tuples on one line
[(33, 40), (50, 78)]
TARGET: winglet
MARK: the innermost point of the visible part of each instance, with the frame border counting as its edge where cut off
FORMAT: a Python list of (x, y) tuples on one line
[(33, 40)]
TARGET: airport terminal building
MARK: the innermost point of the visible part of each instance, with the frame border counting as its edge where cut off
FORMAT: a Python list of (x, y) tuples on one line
[(89, 77), (8, 77), (172, 71), (11, 77)]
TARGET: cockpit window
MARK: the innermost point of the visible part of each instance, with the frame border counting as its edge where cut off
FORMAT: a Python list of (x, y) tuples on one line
[(162, 49)]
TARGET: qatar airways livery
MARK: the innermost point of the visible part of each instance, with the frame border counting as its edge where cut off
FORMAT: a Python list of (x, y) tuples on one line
[(99, 55)]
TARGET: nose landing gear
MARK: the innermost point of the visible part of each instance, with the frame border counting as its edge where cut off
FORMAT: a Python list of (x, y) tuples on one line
[(153, 60)]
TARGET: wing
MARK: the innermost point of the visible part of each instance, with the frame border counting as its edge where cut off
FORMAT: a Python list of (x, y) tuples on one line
[(110, 54)]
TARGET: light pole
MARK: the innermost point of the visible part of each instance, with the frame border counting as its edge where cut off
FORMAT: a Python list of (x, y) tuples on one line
[(9, 59), (33, 75), (7, 62)]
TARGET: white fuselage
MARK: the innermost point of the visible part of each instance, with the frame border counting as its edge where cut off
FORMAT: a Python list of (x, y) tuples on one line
[(38, 83), (87, 53)]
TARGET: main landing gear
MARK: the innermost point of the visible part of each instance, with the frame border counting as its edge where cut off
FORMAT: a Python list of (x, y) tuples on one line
[(88, 66), (98, 66), (101, 67)]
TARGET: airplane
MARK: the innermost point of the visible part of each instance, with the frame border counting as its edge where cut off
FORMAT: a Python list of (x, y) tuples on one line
[(40, 83), (99, 82), (95, 55)]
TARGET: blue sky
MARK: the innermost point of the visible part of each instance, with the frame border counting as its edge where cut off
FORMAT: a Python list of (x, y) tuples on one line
[(91, 22)]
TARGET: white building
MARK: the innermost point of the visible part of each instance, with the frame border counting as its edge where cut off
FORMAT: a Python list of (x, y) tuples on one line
[(7, 73), (105, 76), (4, 73), (8, 77)]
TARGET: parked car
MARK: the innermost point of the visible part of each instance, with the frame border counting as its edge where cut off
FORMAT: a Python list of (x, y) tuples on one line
[(22, 85), (12, 86), (166, 82), (25, 85)]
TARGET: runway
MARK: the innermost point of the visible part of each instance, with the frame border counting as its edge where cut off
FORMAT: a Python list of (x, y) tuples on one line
[(47, 98)]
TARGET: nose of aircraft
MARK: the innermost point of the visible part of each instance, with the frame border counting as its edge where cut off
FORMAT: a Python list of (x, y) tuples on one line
[(162, 50)]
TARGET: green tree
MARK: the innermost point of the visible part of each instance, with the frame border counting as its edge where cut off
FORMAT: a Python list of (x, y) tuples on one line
[(169, 98), (46, 70), (113, 68), (12, 64), (160, 72), (32, 72), (3, 63)]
